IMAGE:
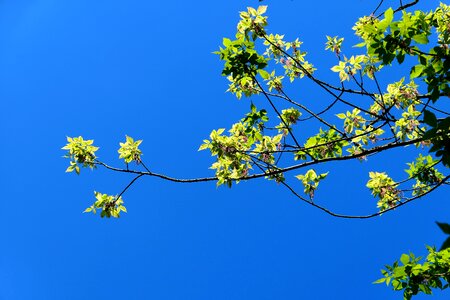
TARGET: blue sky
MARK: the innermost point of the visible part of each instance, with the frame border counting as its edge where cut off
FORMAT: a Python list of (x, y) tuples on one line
[(104, 69)]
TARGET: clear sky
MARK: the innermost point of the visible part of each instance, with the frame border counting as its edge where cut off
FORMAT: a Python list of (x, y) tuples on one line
[(104, 69)]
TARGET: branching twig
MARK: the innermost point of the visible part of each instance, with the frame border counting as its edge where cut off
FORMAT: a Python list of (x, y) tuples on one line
[(365, 216)]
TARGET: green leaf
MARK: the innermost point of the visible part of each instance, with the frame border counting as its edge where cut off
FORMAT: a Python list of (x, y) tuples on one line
[(445, 227), (416, 71), (264, 74), (422, 60), (252, 11), (430, 134), (420, 39), (226, 42), (337, 68), (203, 147), (381, 280), (404, 259), (400, 57), (262, 9), (430, 119), (446, 244), (389, 15)]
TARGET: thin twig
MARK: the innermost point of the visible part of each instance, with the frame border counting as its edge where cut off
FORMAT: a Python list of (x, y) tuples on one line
[(375, 10), (364, 216), (128, 186)]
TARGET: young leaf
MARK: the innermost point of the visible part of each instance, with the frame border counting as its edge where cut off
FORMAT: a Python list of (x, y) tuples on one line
[(262, 9), (420, 39), (404, 258), (389, 15), (264, 74)]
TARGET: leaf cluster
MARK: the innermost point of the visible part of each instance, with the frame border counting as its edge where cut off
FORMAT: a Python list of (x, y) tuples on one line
[(129, 150), (425, 173), (414, 277), (325, 144), (110, 206), (81, 153), (385, 189), (310, 181), (233, 151)]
